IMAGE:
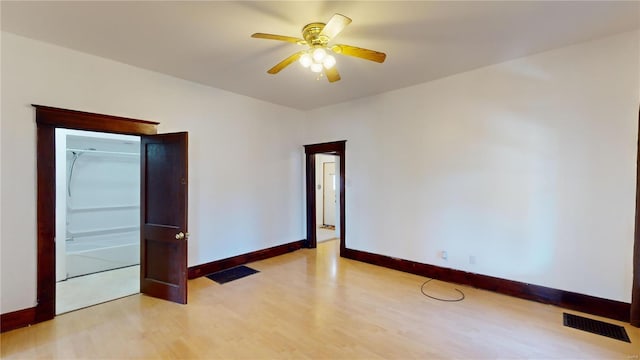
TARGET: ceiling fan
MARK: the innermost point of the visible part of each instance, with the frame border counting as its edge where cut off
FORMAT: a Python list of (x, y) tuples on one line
[(317, 57)]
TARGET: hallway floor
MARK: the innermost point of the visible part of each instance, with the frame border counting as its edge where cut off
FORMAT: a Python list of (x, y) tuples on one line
[(325, 234), (313, 304)]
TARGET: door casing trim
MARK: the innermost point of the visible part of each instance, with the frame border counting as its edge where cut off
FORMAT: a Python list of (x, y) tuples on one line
[(47, 120), (635, 286), (336, 148)]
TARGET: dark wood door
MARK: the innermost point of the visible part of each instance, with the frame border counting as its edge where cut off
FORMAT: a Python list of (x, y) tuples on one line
[(163, 228)]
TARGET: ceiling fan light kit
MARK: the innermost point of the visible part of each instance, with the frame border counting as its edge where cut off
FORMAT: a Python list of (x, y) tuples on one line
[(317, 57), (317, 60)]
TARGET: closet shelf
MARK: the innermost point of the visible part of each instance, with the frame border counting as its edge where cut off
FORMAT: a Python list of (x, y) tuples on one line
[(103, 231), (103, 208), (88, 151)]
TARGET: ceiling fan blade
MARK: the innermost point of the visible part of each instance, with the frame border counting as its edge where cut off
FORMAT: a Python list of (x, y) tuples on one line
[(336, 24), (290, 39), (359, 52), (332, 74), (284, 63)]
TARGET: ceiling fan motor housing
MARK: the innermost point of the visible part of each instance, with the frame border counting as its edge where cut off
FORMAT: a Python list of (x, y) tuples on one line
[(311, 33)]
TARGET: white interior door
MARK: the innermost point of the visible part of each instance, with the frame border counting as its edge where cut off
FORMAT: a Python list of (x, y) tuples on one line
[(329, 193)]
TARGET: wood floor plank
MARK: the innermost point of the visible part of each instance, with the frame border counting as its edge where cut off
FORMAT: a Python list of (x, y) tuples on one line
[(313, 304)]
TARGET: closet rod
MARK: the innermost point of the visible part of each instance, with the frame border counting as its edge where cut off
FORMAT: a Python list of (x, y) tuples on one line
[(103, 152)]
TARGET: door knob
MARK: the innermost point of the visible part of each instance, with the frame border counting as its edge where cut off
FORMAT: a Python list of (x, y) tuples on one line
[(181, 235)]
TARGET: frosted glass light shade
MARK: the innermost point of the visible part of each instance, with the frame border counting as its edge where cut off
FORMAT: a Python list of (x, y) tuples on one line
[(329, 61), (319, 54), (306, 60), (316, 67)]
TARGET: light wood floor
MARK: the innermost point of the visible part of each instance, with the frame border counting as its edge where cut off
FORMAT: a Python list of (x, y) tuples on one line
[(312, 304)]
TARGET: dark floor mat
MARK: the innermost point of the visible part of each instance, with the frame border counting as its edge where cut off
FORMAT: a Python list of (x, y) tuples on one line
[(597, 327), (235, 273)]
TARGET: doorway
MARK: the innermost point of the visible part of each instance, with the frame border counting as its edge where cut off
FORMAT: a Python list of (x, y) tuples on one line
[(97, 211), (163, 179), (316, 155), (329, 194), (327, 176)]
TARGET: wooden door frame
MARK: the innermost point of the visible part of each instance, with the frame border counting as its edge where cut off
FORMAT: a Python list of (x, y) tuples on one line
[(336, 148), (47, 120), (635, 291)]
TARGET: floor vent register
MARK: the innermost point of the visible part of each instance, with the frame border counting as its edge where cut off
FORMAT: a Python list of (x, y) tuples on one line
[(596, 327)]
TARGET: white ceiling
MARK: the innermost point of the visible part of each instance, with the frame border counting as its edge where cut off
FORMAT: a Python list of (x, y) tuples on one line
[(209, 41)]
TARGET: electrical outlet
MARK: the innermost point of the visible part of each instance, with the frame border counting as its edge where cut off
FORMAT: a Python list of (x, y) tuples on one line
[(444, 255), (472, 259)]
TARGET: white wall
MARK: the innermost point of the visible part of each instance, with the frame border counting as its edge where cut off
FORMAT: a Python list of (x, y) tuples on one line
[(245, 192), (528, 165)]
